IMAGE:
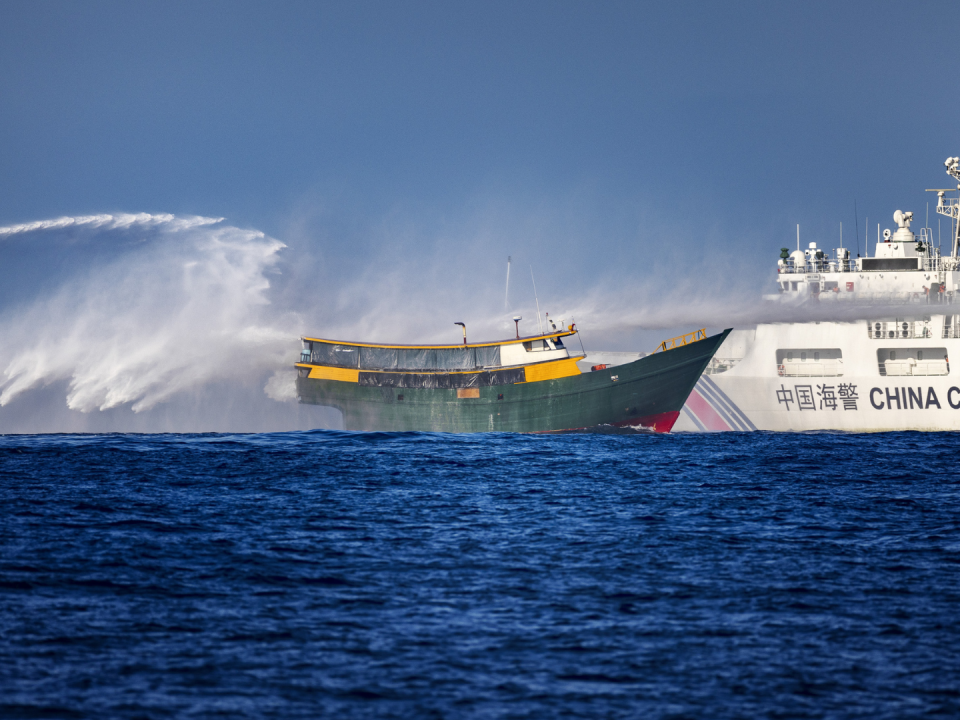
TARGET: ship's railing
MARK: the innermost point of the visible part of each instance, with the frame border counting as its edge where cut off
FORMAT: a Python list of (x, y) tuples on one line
[(818, 266), (931, 262), (951, 326), (681, 340)]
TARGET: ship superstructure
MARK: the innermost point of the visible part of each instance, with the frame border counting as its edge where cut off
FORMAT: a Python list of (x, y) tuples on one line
[(889, 372), (905, 267)]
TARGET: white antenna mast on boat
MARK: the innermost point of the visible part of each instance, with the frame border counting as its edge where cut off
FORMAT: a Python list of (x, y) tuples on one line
[(798, 237), (506, 295), (951, 207), (539, 323)]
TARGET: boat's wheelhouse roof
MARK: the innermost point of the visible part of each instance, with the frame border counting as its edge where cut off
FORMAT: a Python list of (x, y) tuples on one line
[(450, 346)]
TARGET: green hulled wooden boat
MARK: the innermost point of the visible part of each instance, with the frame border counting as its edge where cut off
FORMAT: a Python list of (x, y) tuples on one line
[(525, 384)]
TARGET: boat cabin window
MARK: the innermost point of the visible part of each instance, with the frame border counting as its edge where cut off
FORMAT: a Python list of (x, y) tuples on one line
[(335, 355), (416, 359), (543, 345), (456, 359), (374, 357), (405, 359), (488, 356)]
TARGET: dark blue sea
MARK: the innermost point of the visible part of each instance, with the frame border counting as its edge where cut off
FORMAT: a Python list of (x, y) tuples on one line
[(330, 574)]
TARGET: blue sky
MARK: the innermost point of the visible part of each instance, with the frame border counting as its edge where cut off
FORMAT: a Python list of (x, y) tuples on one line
[(741, 113), (624, 150)]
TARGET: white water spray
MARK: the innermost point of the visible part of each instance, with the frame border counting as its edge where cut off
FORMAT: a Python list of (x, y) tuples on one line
[(150, 306)]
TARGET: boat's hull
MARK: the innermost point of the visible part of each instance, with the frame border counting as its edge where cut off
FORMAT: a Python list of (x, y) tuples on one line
[(757, 394), (649, 393)]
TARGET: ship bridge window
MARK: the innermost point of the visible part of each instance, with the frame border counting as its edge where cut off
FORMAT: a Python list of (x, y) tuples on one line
[(810, 362), (913, 361), (793, 286), (543, 345)]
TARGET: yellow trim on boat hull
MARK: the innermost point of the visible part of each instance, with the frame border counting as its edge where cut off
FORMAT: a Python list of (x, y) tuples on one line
[(322, 372), (552, 370), (511, 341)]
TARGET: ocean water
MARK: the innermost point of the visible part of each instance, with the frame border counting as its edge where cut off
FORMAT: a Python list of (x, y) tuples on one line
[(301, 575)]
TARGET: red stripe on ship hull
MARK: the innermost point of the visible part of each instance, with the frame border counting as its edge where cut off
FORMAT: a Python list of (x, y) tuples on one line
[(661, 422), (705, 413)]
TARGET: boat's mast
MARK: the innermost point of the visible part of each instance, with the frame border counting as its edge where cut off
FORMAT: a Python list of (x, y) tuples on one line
[(539, 324), (506, 295)]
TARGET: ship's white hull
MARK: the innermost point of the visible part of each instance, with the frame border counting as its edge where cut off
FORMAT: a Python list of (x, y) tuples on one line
[(897, 377)]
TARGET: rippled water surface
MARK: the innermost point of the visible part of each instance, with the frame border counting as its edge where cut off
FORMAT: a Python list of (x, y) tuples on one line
[(416, 575)]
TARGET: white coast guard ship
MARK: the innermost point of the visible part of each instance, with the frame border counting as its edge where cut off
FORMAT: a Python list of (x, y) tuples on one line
[(888, 370)]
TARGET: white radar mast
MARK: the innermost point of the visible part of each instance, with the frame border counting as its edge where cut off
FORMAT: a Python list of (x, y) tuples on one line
[(951, 206)]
